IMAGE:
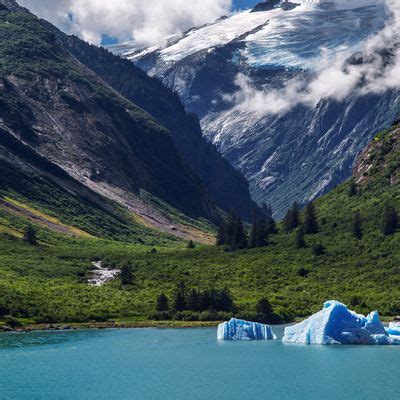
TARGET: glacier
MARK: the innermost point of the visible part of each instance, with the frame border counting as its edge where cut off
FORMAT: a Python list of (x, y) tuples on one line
[(336, 324), (238, 329), (304, 151)]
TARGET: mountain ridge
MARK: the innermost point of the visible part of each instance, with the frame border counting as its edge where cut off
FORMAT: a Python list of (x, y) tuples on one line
[(294, 155), (229, 188), (65, 113)]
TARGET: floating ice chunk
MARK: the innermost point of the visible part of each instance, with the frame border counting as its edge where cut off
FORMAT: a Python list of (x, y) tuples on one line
[(238, 329), (336, 324), (394, 328)]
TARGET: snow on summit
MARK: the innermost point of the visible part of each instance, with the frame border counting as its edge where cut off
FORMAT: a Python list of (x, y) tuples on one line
[(245, 76), (260, 29)]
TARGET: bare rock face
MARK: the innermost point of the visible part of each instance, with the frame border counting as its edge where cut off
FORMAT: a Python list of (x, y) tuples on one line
[(380, 157), (227, 186), (266, 5)]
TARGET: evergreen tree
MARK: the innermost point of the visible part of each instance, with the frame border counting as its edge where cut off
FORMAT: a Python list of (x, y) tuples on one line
[(300, 241), (193, 300), (179, 299), (221, 235), (318, 249), (253, 235), (191, 245), (162, 303), (238, 238), (204, 301), (230, 228), (390, 220), (126, 274), (259, 234), (292, 218), (271, 226), (269, 219), (179, 302), (357, 228), (225, 302), (30, 235), (352, 189), (310, 220), (286, 221), (264, 310)]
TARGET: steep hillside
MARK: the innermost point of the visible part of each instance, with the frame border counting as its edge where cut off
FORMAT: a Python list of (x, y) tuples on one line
[(227, 186), (239, 75), (361, 272), (61, 111)]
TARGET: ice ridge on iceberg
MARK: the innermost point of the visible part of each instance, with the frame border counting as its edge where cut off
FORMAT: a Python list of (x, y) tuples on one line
[(238, 329), (336, 324)]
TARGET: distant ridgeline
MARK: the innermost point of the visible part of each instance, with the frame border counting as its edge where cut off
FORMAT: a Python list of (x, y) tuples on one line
[(271, 4)]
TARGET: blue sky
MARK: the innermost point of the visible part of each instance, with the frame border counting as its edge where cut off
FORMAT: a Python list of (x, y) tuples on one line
[(243, 4)]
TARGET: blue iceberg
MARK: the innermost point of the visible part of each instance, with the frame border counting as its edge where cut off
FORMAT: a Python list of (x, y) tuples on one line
[(336, 324), (238, 329), (394, 328)]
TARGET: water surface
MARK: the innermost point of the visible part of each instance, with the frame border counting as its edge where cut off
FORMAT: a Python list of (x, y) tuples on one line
[(188, 364)]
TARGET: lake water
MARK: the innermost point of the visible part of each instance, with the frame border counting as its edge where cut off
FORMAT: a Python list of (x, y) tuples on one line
[(188, 364)]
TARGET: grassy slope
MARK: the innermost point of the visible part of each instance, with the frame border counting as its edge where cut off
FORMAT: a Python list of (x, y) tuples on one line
[(48, 282)]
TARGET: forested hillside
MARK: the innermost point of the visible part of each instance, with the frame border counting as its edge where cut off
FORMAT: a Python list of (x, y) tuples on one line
[(353, 257)]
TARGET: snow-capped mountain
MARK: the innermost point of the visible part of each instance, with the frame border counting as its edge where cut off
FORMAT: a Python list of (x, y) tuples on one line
[(245, 75)]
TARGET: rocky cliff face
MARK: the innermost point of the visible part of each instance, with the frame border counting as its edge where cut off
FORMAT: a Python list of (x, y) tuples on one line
[(226, 185), (380, 159), (65, 114), (295, 154)]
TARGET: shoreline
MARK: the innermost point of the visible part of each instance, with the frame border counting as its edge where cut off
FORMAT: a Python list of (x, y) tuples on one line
[(141, 324), (109, 325)]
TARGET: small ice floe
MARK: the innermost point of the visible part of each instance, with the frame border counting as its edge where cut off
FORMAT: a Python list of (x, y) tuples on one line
[(394, 328), (101, 275), (336, 324), (238, 329)]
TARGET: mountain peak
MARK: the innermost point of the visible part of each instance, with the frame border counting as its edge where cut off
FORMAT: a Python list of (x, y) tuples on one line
[(266, 5)]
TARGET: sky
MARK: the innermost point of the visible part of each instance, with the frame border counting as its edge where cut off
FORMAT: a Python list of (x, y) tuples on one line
[(147, 22)]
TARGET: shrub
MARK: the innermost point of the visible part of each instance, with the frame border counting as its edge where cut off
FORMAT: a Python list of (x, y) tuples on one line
[(12, 322), (318, 250), (30, 235)]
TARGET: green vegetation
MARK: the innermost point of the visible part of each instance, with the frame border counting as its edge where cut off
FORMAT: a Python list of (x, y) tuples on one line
[(292, 218), (30, 235), (344, 246), (295, 273)]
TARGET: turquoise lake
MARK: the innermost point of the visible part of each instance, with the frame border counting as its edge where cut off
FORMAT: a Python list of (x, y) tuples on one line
[(188, 364)]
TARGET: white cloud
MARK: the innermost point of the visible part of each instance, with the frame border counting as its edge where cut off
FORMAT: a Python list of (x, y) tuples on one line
[(147, 22), (337, 80)]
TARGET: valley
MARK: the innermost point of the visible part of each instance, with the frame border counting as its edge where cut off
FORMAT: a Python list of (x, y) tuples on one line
[(101, 163)]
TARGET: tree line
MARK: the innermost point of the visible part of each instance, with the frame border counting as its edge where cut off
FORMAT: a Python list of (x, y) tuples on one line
[(196, 300), (220, 302), (233, 235)]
